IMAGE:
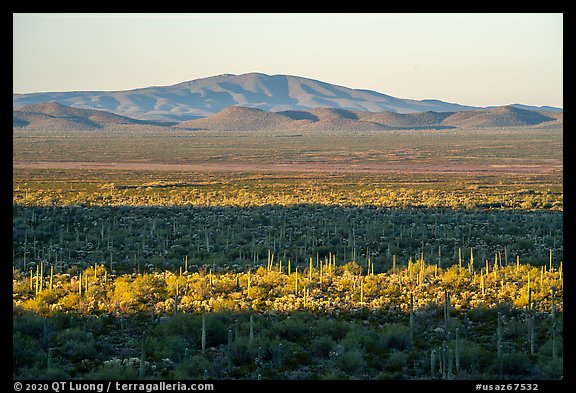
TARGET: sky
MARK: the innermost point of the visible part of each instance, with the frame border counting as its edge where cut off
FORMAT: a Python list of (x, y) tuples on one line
[(470, 59)]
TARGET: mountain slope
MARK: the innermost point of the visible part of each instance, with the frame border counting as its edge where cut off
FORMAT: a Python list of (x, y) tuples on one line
[(206, 96)]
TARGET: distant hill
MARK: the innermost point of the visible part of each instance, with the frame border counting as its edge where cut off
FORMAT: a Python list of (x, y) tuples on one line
[(240, 119), (207, 96), (507, 116), (411, 120), (53, 116), (329, 119)]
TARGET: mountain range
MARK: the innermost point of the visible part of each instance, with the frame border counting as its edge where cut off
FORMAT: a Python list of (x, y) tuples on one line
[(53, 116), (201, 98)]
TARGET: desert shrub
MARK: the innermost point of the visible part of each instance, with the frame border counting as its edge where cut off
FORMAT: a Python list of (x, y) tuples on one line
[(27, 322), (351, 361), (335, 328), (396, 361), (352, 267), (188, 326), (75, 344), (473, 357), (333, 373), (217, 326), (243, 352), (42, 373), (194, 368), (114, 371), (321, 346), (551, 368), (295, 356), (395, 336), (515, 364), (26, 350), (292, 329), (166, 347)]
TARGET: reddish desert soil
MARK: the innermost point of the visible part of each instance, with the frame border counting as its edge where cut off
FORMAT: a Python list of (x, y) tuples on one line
[(328, 167)]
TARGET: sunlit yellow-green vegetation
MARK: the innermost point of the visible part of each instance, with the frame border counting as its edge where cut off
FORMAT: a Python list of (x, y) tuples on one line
[(318, 320), (118, 188), (319, 286)]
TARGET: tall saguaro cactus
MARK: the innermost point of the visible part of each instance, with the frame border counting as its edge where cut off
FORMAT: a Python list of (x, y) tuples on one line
[(533, 333), (51, 277), (412, 317), (554, 341), (499, 337), (248, 284), (444, 360), (446, 308), (203, 332), (229, 349), (553, 311), (457, 350), (142, 371), (296, 282)]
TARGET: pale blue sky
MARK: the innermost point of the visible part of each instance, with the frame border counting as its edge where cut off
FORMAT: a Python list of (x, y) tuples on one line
[(473, 59)]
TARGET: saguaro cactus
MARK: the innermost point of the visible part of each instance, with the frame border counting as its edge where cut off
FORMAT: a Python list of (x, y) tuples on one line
[(296, 282), (553, 306), (554, 341), (249, 283), (533, 333), (499, 337), (229, 349), (411, 317), (457, 349), (259, 357), (142, 371), (51, 277), (251, 339), (278, 355), (49, 360), (203, 332), (176, 300), (446, 308), (41, 276), (444, 360)]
